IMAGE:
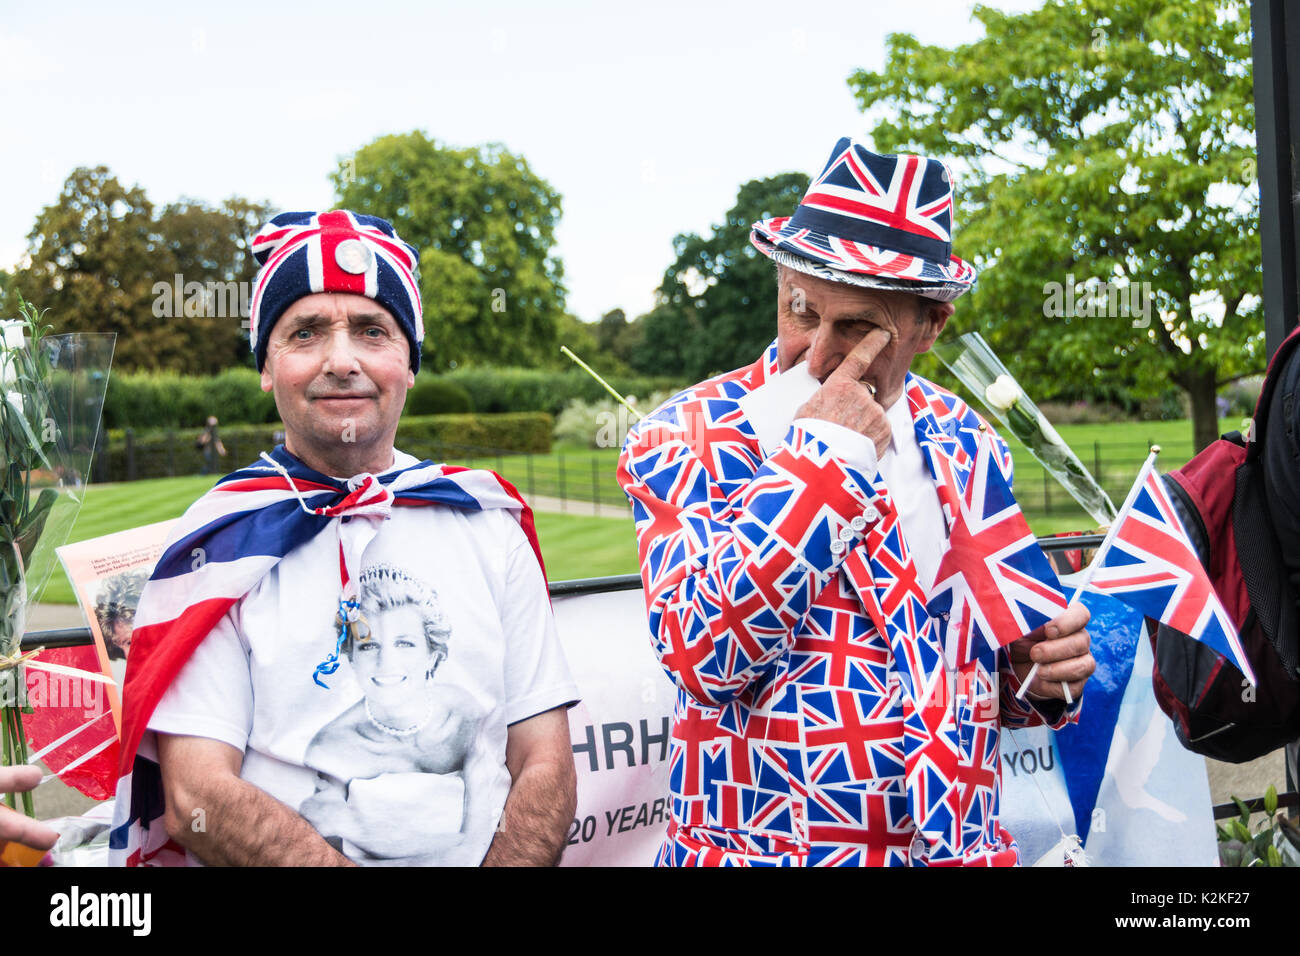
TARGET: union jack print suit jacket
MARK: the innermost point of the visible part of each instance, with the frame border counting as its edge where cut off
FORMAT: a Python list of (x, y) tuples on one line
[(816, 722)]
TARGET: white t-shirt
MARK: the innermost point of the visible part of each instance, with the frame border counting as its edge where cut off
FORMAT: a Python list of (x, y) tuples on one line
[(771, 409), (390, 765)]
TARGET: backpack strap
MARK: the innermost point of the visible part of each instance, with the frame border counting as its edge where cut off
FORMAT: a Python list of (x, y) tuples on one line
[(1262, 567), (1259, 422)]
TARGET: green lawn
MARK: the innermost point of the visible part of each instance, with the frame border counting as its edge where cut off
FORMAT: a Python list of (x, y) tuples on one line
[(577, 546), (573, 547), (1115, 451), (568, 471)]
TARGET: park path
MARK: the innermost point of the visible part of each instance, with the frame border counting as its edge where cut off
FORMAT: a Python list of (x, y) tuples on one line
[(572, 506)]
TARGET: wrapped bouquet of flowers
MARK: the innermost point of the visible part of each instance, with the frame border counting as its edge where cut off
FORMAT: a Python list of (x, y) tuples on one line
[(51, 395), (976, 366)]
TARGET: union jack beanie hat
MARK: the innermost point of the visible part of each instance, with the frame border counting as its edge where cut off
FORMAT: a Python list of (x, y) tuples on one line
[(301, 253), (883, 222)]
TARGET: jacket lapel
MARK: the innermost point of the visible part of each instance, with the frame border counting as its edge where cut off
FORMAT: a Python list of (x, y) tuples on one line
[(941, 447)]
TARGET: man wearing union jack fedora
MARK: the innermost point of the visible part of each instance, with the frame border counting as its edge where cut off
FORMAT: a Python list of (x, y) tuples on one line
[(791, 518), (345, 655)]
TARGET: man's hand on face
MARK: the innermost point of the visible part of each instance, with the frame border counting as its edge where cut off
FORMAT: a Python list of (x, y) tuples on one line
[(1061, 650), (845, 398)]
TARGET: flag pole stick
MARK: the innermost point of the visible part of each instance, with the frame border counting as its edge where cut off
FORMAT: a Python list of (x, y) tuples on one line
[(1091, 571), (609, 388)]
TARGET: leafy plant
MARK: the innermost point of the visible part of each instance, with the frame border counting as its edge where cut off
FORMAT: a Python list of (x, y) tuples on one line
[(1274, 842), (26, 431), (602, 423)]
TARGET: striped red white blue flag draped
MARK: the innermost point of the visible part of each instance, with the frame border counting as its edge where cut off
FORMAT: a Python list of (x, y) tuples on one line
[(219, 550)]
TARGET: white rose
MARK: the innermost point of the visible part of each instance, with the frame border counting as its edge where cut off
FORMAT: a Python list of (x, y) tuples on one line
[(14, 330), (11, 337), (1003, 393)]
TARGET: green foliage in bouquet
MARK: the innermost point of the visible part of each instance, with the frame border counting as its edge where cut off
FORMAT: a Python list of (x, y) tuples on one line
[(27, 429)]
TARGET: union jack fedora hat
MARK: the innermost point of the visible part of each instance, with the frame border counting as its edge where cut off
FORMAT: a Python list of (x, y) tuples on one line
[(884, 222)]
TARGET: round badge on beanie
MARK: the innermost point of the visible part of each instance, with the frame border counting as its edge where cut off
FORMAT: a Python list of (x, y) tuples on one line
[(883, 222), (302, 253)]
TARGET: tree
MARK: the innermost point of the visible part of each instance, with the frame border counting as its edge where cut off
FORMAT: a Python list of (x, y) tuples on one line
[(213, 247), (610, 329), (484, 225), (662, 342), (580, 338), (717, 302), (1107, 148), (171, 286), (93, 255)]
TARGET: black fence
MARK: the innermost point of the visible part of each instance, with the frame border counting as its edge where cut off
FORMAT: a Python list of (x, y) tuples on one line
[(587, 480)]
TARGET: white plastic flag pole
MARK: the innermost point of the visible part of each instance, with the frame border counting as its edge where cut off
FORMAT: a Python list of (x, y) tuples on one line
[(1091, 571)]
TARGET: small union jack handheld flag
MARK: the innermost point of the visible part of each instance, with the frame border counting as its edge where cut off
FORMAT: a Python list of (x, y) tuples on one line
[(1148, 563), (994, 583)]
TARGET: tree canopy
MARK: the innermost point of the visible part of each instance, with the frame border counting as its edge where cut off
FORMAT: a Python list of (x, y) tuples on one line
[(212, 246), (1105, 147), (484, 225), (716, 306), (98, 256), (93, 256)]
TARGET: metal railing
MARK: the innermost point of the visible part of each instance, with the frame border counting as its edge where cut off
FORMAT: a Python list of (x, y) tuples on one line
[(589, 477)]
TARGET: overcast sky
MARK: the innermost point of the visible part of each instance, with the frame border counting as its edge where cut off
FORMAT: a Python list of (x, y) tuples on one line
[(646, 118)]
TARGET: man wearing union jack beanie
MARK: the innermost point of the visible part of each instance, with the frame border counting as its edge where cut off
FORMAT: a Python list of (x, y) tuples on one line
[(797, 522), (345, 655)]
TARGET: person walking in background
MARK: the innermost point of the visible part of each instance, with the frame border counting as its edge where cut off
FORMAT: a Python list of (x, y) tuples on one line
[(210, 444)]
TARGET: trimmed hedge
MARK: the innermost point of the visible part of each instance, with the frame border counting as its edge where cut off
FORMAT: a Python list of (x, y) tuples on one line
[(519, 432), (168, 400), (163, 453), (433, 396), (543, 390), (151, 400)]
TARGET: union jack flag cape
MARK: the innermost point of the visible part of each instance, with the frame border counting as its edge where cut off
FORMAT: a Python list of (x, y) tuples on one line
[(219, 550), (1148, 563), (994, 583)]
